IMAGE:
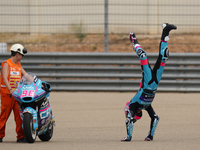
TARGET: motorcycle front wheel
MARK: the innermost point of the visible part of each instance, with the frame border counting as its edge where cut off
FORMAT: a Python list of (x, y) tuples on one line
[(30, 134)]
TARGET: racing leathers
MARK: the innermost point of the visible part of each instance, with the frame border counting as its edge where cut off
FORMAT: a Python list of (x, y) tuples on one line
[(149, 83)]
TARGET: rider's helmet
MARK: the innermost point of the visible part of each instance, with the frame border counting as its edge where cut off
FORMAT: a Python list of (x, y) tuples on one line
[(19, 49)]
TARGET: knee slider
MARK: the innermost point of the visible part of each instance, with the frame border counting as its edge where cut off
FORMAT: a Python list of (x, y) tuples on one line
[(128, 120), (141, 53), (129, 117), (156, 117), (166, 55)]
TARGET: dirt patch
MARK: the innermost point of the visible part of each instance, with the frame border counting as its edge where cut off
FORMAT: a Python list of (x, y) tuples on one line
[(95, 43)]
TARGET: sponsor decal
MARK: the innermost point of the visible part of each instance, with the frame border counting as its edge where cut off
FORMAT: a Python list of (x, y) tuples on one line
[(14, 73), (44, 104), (139, 52), (143, 55), (29, 93)]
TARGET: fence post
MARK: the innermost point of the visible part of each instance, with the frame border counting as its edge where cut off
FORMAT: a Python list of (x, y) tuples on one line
[(106, 26), (34, 16)]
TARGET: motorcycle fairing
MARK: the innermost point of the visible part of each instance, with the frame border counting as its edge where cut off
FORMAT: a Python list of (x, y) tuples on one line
[(29, 93)]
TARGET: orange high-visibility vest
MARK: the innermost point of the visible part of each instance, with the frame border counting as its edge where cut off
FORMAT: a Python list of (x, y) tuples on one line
[(14, 75)]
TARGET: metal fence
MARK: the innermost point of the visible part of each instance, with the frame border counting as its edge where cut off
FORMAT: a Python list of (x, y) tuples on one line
[(88, 25), (110, 71)]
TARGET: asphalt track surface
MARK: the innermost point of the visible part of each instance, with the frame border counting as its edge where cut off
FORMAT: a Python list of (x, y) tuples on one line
[(96, 121)]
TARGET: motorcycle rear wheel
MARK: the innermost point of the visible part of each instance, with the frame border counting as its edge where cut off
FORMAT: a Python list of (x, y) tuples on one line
[(48, 134), (30, 134)]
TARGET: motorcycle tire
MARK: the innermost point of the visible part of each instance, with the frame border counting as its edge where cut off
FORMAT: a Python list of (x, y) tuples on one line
[(48, 134), (30, 134)]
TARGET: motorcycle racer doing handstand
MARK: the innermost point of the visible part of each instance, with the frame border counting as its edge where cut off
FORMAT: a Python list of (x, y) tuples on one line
[(148, 85)]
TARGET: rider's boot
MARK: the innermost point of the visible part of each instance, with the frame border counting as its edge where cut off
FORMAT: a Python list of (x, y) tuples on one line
[(133, 40), (166, 29), (136, 46), (149, 138), (129, 127), (164, 38), (154, 124)]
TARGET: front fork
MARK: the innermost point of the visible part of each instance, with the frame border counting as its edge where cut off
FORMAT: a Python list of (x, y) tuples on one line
[(33, 112)]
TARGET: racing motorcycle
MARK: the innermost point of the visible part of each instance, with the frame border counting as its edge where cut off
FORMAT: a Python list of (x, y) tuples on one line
[(32, 95)]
